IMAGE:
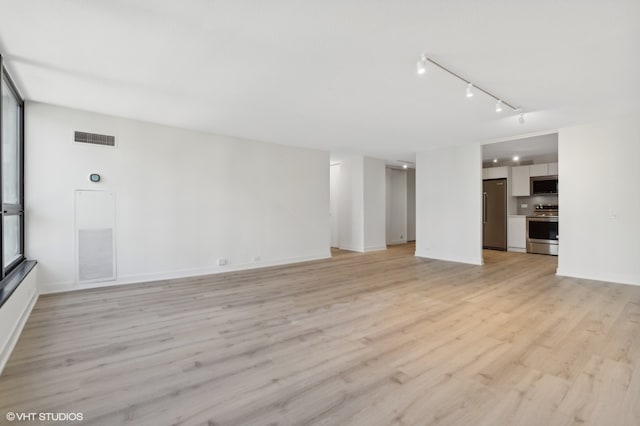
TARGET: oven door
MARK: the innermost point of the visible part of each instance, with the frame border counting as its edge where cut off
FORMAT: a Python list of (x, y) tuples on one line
[(542, 235), (543, 229)]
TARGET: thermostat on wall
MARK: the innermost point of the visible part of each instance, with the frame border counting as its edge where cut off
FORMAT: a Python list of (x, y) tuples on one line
[(94, 177)]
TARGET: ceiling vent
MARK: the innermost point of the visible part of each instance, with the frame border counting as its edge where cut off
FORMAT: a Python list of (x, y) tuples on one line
[(95, 139)]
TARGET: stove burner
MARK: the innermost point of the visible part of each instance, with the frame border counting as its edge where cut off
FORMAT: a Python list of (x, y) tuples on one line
[(546, 207)]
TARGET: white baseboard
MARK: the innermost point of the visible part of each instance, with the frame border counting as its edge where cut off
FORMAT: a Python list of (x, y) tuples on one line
[(21, 314), (517, 249), (374, 248), (349, 248), (451, 258), (61, 287), (611, 278)]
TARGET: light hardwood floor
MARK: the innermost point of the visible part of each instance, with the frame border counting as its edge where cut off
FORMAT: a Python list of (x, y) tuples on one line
[(368, 339)]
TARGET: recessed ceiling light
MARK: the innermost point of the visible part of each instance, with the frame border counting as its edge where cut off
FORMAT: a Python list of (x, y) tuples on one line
[(516, 158)]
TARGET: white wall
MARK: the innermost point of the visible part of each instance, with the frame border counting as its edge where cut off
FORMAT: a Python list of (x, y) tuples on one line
[(411, 205), (396, 206), (361, 199), (374, 205), (351, 202), (334, 198), (14, 314), (449, 203), (599, 198), (183, 198)]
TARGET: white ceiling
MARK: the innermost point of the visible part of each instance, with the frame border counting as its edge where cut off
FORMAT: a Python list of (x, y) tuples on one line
[(525, 148), (333, 75)]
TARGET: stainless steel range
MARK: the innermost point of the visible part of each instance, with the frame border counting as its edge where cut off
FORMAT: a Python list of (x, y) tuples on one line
[(542, 230)]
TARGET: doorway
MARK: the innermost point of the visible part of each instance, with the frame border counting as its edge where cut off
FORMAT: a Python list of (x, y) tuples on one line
[(519, 184)]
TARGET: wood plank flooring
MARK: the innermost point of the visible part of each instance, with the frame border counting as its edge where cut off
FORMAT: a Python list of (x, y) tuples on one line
[(380, 338)]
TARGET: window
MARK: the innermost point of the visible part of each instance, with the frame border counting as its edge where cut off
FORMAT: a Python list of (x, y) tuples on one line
[(11, 174)]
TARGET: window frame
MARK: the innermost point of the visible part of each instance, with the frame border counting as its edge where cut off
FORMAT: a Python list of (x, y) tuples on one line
[(12, 209)]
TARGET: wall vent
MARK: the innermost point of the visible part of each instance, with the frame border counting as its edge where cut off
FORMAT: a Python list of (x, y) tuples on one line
[(95, 139)]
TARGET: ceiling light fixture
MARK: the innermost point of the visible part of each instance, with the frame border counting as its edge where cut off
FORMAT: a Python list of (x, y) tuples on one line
[(521, 118), (405, 164), (495, 160), (422, 65), (469, 90), (516, 158), (422, 68)]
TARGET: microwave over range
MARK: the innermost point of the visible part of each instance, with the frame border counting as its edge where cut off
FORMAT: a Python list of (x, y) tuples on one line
[(544, 185)]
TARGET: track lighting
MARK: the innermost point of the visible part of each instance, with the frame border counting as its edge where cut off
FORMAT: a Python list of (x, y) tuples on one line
[(469, 90), (422, 65), (422, 68)]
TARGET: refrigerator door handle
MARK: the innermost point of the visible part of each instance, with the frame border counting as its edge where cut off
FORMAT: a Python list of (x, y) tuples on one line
[(484, 207)]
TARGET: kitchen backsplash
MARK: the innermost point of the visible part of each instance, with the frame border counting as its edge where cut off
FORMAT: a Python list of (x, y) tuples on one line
[(531, 203)]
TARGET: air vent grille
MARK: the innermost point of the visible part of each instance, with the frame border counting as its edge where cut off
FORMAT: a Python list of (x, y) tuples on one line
[(95, 139)]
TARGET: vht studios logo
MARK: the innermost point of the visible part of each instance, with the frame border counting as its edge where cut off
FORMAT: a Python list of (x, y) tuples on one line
[(44, 417)]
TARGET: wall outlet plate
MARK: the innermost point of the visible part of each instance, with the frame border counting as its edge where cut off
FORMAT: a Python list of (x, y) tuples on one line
[(222, 261)]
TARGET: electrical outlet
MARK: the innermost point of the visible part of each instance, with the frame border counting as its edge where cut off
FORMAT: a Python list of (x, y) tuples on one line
[(222, 261)]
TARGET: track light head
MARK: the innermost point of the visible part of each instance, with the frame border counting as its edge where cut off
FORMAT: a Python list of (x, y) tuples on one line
[(499, 106), (469, 90), (421, 67)]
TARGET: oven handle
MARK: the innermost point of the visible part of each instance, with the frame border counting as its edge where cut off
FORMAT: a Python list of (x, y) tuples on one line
[(542, 219)]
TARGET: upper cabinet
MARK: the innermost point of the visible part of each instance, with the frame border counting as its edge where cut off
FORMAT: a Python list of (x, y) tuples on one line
[(550, 169), (538, 170), (520, 181)]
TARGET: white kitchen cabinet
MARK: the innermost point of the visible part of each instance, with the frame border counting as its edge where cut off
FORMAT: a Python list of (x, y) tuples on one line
[(495, 172), (539, 170), (517, 233), (553, 169), (520, 181)]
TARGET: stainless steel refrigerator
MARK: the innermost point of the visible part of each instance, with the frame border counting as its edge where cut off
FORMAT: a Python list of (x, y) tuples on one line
[(494, 214)]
